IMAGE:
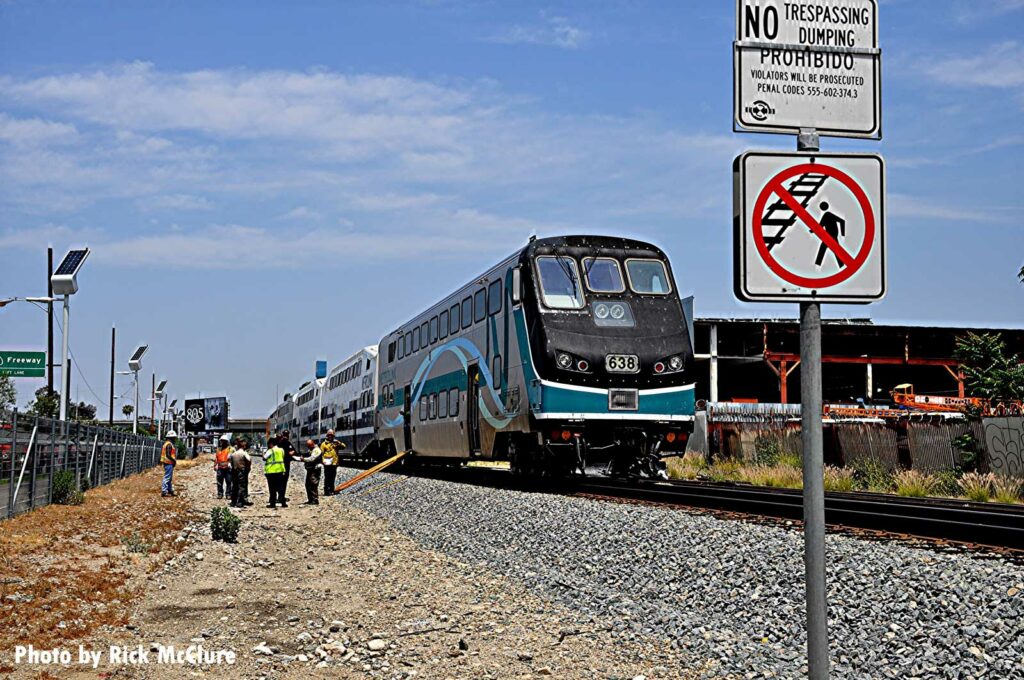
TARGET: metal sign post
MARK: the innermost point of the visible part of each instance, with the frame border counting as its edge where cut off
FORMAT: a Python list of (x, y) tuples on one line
[(809, 227)]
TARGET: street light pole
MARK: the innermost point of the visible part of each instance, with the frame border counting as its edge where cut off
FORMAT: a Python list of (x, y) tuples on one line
[(135, 412), (65, 371)]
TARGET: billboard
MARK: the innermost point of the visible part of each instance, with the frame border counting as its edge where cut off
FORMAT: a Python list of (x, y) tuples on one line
[(206, 415)]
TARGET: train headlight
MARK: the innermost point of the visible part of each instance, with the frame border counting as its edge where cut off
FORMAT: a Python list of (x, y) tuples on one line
[(601, 311), (564, 360), (618, 311), (675, 363)]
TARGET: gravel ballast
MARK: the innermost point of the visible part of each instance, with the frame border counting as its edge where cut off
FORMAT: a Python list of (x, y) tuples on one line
[(725, 591)]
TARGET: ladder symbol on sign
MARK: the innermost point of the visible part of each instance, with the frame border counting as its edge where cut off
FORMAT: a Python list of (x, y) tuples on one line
[(780, 215)]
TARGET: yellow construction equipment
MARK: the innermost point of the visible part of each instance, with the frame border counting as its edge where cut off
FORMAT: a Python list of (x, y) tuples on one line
[(372, 471)]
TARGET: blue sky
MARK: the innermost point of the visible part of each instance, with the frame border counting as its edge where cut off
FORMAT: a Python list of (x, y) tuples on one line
[(267, 183)]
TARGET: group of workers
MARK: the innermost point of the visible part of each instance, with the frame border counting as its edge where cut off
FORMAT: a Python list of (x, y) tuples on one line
[(232, 464)]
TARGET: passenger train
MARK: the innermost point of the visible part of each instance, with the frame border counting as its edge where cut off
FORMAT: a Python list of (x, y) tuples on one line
[(572, 352)]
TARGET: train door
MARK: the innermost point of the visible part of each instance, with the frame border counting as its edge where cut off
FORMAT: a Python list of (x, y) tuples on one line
[(473, 406), (407, 416)]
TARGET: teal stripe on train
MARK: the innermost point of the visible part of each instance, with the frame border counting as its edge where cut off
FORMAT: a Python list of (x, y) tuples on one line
[(680, 402)]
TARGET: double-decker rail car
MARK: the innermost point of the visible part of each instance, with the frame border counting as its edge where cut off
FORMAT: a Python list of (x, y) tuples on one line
[(282, 417), (573, 350), (307, 404), (349, 399)]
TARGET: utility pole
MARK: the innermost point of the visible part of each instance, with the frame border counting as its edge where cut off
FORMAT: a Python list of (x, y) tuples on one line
[(113, 346), (49, 320), (152, 402)]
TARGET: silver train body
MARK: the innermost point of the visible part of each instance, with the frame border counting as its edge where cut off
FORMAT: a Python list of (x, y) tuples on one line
[(571, 350)]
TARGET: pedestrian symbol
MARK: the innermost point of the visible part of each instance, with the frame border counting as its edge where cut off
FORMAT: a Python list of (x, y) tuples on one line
[(810, 225), (834, 225)]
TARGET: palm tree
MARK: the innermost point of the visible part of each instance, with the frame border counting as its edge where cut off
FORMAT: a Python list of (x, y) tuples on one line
[(127, 410)]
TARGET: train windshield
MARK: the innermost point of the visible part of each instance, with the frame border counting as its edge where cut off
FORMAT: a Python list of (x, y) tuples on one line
[(560, 282), (603, 275), (648, 277)]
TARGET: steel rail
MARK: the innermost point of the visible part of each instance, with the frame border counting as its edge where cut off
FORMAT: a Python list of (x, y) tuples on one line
[(992, 524)]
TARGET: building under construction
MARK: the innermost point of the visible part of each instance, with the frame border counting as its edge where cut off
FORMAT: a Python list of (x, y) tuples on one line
[(758, 360)]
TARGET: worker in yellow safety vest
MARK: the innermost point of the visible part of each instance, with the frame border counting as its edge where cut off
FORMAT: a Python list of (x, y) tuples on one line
[(330, 449), (168, 458), (273, 468)]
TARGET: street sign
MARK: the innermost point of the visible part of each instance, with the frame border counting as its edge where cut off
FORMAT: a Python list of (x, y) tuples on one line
[(18, 364), (809, 227), (807, 65)]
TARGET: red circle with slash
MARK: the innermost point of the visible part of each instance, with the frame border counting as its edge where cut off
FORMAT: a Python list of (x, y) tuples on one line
[(853, 263)]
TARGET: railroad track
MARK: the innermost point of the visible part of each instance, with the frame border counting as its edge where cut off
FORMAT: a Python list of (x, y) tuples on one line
[(994, 525), (989, 524)]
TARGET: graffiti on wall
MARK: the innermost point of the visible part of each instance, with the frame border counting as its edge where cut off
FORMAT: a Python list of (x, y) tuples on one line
[(1004, 442)]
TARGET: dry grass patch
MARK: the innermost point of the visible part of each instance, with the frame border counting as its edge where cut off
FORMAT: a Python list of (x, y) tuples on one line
[(64, 570)]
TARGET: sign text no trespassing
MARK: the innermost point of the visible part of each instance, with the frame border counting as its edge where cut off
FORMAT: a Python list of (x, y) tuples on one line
[(807, 64)]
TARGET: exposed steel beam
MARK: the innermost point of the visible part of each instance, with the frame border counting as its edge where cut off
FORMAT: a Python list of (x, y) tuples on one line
[(891, 361)]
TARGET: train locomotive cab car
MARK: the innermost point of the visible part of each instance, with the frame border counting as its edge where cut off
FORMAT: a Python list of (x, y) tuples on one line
[(610, 356), (574, 350)]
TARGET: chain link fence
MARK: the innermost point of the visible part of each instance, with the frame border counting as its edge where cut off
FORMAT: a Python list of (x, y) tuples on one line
[(34, 449)]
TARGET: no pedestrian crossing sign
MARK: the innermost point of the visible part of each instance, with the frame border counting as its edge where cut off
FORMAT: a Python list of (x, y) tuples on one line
[(807, 64), (809, 227), (19, 364)]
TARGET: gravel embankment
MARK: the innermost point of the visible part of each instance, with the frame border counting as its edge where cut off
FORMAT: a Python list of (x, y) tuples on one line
[(726, 590)]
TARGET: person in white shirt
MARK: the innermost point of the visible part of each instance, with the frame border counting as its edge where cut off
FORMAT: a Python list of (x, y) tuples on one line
[(313, 462), (240, 462)]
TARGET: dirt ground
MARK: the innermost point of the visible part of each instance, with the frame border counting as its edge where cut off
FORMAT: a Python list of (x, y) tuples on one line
[(329, 591)]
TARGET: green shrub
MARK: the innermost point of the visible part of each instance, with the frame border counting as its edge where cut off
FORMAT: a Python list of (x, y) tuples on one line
[(947, 483), (914, 484), (135, 544), (872, 475), (767, 450), (723, 470), (224, 525), (839, 479), (1007, 489), (968, 447), (65, 492), (976, 486)]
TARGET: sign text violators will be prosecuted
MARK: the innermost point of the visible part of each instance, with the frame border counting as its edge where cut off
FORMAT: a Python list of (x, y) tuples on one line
[(812, 64)]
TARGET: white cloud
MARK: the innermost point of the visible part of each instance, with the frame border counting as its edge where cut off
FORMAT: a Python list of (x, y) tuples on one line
[(554, 31), (376, 156), (1000, 66), (902, 205), (174, 202), (301, 213), (27, 131)]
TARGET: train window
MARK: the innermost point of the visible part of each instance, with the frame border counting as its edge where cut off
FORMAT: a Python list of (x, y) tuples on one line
[(467, 313), (453, 325), (408, 343), (442, 404), (603, 275), (648, 277), (401, 347), (453, 401), (494, 297), (433, 330), (423, 408), (432, 407), (415, 339), (442, 325), (391, 352), (479, 306), (496, 372), (560, 282), (425, 335)]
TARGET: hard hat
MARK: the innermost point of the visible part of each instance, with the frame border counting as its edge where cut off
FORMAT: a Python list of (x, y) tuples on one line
[(330, 431), (224, 438), (171, 434)]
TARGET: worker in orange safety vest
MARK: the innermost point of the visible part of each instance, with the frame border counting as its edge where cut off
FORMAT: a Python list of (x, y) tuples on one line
[(222, 466)]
